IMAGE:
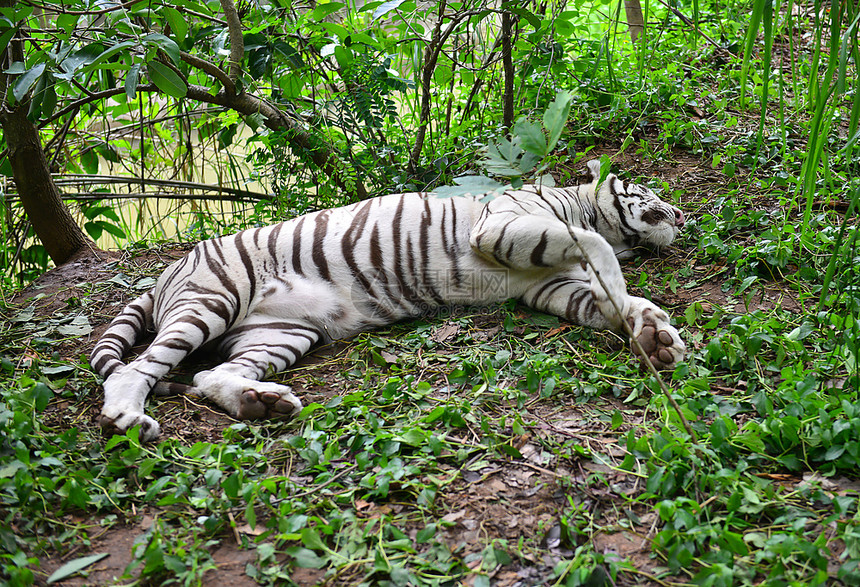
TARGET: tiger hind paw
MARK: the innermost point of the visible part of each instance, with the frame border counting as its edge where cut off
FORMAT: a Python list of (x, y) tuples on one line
[(268, 401), (245, 398), (657, 337)]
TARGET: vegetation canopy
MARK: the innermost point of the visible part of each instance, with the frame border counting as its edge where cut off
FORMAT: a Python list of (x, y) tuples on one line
[(479, 446)]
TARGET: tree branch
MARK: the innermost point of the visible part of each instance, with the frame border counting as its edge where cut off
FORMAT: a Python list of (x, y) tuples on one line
[(319, 152), (237, 42), (211, 69)]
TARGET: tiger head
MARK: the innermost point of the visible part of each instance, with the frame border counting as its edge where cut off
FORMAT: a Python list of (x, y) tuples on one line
[(631, 215)]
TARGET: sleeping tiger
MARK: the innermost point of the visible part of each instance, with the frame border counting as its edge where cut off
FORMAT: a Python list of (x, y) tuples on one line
[(266, 295)]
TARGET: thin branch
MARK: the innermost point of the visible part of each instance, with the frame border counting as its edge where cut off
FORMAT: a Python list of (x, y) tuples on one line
[(237, 42), (103, 95), (318, 151), (55, 8), (211, 69), (689, 22)]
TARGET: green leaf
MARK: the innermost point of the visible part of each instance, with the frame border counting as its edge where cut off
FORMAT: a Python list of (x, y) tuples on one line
[(80, 58), (523, 13), (112, 229), (177, 23), (89, 160), (414, 437), (75, 566), (386, 7), (834, 452), (323, 10), (79, 326), (532, 137), (555, 118), (27, 81), (305, 558), (311, 539), (471, 185), (510, 450), (166, 44), (132, 78), (57, 370), (251, 515), (6, 37), (425, 534), (167, 80)]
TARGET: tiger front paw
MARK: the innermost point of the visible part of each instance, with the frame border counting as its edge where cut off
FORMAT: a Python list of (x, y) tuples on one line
[(657, 337), (120, 423), (268, 401)]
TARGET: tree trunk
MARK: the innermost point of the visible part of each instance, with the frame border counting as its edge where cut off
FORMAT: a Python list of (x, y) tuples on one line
[(508, 63), (633, 11), (57, 230)]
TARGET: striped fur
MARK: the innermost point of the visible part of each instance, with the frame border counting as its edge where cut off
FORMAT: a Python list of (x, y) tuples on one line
[(266, 295)]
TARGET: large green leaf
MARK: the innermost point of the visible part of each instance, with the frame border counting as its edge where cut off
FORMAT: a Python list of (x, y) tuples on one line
[(25, 83), (522, 12), (472, 185), (386, 7), (167, 80), (555, 117), (75, 566), (166, 44), (132, 78), (5, 37), (323, 10), (177, 23), (81, 57), (532, 137)]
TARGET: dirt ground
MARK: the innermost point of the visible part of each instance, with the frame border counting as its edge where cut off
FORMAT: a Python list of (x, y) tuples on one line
[(510, 500)]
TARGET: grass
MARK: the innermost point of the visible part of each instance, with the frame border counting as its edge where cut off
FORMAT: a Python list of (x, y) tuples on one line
[(505, 447)]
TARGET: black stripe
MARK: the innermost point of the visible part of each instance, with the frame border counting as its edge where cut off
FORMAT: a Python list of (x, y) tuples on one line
[(538, 251), (272, 243), (318, 252), (248, 263), (297, 246)]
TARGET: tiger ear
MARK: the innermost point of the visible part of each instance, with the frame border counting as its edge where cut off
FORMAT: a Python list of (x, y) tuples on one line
[(593, 170)]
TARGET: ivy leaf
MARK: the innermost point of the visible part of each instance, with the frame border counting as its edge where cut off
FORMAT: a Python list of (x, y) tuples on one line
[(306, 558), (75, 566), (79, 326), (167, 80)]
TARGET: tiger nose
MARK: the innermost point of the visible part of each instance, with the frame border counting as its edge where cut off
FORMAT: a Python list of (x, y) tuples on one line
[(679, 218)]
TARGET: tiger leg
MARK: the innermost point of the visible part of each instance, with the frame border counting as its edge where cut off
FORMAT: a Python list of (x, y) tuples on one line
[(594, 297), (127, 387), (259, 345)]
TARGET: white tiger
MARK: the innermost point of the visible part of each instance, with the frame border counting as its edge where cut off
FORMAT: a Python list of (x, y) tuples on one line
[(266, 295)]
